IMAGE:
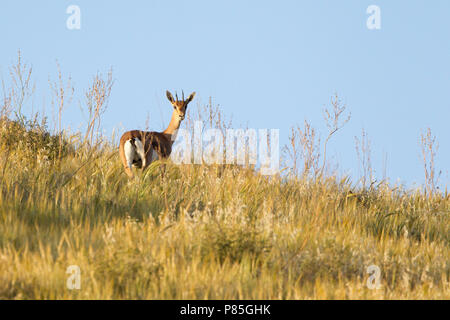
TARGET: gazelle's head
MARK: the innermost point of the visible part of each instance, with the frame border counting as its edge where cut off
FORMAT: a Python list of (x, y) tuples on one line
[(180, 106)]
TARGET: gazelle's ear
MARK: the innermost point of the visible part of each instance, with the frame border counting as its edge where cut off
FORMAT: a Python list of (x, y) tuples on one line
[(170, 97), (191, 97)]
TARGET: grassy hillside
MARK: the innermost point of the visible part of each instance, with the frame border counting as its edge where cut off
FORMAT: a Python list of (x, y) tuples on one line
[(205, 232)]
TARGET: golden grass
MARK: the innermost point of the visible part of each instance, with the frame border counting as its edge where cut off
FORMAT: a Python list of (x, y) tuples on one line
[(203, 232)]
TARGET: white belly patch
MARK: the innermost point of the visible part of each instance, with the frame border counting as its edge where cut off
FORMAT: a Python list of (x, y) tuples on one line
[(135, 154)]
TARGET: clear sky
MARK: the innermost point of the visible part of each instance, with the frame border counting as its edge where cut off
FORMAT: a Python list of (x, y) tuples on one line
[(270, 64)]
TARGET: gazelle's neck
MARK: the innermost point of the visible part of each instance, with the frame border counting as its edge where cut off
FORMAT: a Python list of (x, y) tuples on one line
[(173, 127)]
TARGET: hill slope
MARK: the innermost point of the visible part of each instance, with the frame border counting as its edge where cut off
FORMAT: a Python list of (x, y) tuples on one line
[(210, 232)]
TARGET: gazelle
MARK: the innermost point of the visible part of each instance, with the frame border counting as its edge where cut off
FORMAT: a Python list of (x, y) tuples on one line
[(140, 148)]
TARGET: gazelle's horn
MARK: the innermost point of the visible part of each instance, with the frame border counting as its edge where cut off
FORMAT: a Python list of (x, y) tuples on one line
[(176, 95), (183, 94)]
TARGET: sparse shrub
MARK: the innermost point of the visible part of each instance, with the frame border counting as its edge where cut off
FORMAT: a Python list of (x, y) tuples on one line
[(328, 258), (233, 243), (32, 140), (121, 265), (429, 147)]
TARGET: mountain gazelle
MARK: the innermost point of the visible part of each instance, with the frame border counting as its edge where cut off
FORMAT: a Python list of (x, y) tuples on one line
[(139, 149)]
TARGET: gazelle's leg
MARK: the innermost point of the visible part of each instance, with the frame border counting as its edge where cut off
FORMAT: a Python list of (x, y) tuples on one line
[(149, 158), (162, 166), (129, 154), (163, 170), (124, 160), (129, 172), (140, 151)]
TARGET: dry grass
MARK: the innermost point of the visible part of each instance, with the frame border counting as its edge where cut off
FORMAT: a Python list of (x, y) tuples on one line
[(202, 233)]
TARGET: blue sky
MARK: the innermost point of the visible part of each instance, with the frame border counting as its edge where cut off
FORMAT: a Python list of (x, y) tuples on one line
[(270, 64)]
